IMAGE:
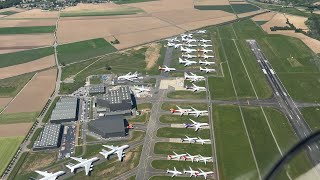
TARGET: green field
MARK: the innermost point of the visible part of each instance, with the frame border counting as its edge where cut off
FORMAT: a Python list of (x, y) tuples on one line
[(10, 87), (32, 161), (167, 106), (174, 119), (112, 168), (117, 63), (243, 8), (193, 149), (125, 11), (186, 95), (180, 165), (27, 30), (143, 118), (169, 132), (311, 115), (8, 13), (8, 148), (233, 149), (47, 116), (34, 137), (290, 57), (20, 57), (143, 106), (226, 8), (21, 117), (73, 52)]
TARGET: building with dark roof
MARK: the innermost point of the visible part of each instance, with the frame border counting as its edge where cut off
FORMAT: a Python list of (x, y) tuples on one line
[(108, 126), (66, 110), (117, 101), (97, 89), (49, 138)]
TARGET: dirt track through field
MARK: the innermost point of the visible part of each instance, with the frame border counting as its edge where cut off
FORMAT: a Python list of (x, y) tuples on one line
[(11, 130), (36, 94), (24, 68)]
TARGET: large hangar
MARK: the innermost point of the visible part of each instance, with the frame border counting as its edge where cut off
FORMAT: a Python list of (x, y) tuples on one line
[(108, 126), (49, 138), (66, 110)]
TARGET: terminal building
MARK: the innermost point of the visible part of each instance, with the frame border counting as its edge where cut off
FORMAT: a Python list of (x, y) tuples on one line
[(108, 126), (49, 138), (66, 110), (116, 102)]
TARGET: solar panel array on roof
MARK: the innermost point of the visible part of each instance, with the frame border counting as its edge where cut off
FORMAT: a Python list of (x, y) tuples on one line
[(96, 89), (49, 137), (116, 100), (117, 96), (65, 110)]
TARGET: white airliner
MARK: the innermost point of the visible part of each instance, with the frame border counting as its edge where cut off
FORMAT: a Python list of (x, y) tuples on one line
[(177, 156), (189, 139), (196, 88), (173, 39), (207, 63), (180, 110), (191, 40), (188, 156), (196, 125), (50, 176), (184, 39), (187, 50), (129, 76), (206, 50), (207, 70), (174, 172), (193, 77), (187, 35), (191, 172), (187, 62), (203, 159), (204, 174), (204, 40), (114, 150), (86, 163), (197, 113), (169, 44), (189, 56), (202, 31), (177, 45), (202, 141), (207, 56), (191, 45), (166, 69), (142, 89), (205, 45)]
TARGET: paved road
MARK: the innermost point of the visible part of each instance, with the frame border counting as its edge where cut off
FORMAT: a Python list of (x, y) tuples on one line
[(296, 119)]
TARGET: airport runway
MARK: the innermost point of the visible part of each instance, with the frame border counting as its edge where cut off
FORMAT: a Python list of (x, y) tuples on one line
[(289, 107)]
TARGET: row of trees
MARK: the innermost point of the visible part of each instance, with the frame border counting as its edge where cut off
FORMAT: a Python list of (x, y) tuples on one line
[(313, 23), (289, 27)]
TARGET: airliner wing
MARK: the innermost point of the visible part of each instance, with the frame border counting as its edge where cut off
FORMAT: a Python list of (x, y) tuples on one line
[(77, 159), (110, 147), (119, 154), (42, 173), (87, 167)]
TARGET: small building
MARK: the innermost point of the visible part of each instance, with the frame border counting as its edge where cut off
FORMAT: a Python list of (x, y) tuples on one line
[(49, 138), (97, 89), (108, 126), (66, 110), (116, 102)]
